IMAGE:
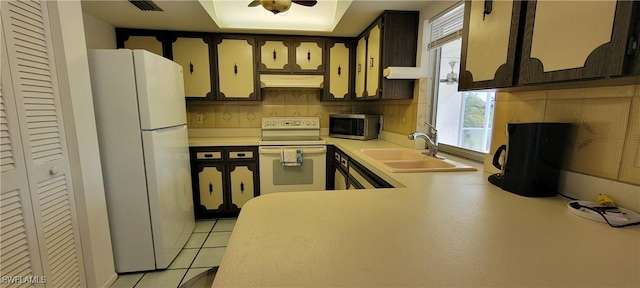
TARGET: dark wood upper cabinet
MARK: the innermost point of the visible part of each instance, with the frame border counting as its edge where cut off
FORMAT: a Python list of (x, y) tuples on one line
[(391, 40), (489, 45), (235, 67), (284, 54), (399, 46), (191, 50), (339, 72), (235, 61), (568, 40), (548, 42), (193, 53)]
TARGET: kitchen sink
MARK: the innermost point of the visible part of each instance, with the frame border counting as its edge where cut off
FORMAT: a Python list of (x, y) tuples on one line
[(392, 154), (402, 160)]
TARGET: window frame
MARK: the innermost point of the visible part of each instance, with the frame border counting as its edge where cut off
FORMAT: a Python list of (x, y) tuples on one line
[(433, 69)]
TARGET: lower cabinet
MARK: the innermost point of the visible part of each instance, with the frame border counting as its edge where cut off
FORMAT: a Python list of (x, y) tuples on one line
[(242, 183), (349, 174), (224, 179), (210, 190), (340, 180)]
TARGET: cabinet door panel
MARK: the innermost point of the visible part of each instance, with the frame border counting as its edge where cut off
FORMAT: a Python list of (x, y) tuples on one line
[(193, 55), (242, 183), (211, 189), (556, 26), (488, 34), (361, 66), (236, 69), (274, 55), (340, 180), (339, 71), (149, 43), (566, 40), (489, 45), (309, 56), (373, 62)]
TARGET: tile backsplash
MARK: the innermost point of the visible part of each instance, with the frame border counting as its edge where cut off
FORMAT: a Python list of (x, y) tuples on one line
[(606, 134), (399, 115)]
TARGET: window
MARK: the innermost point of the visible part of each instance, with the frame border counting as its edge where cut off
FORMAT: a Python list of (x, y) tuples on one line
[(463, 119)]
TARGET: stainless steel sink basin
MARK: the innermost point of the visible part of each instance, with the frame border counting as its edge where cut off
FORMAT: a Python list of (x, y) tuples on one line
[(403, 160)]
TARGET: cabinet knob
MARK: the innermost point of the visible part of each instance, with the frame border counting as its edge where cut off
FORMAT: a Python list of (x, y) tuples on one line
[(274, 54), (371, 62), (54, 171), (241, 187), (210, 188), (308, 55), (190, 67), (339, 70), (235, 69)]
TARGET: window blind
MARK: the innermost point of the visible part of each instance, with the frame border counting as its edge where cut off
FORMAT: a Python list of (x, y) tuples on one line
[(447, 27)]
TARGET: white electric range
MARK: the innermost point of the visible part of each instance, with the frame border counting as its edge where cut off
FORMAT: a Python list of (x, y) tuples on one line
[(292, 134)]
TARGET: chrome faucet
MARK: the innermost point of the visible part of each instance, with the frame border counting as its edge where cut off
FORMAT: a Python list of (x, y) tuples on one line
[(431, 140)]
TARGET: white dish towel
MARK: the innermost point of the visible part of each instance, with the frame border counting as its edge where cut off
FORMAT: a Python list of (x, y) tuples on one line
[(291, 157)]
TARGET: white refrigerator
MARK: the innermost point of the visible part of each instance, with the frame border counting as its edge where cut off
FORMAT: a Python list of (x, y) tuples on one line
[(140, 110)]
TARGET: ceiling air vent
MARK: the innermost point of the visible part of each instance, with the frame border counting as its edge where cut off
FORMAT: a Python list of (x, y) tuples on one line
[(145, 5)]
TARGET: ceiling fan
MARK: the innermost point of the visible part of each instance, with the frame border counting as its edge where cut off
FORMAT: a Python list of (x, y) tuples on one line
[(277, 6), (451, 77)]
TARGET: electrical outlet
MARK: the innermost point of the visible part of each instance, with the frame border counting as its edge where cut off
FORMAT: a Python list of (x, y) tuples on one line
[(199, 118)]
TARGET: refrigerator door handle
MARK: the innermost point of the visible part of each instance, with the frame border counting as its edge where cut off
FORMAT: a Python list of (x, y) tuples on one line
[(168, 129)]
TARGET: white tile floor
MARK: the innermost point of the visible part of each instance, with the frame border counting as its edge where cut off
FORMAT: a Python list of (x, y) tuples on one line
[(203, 251)]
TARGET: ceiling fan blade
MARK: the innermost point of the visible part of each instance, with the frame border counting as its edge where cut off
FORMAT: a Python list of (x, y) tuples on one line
[(254, 3), (305, 3)]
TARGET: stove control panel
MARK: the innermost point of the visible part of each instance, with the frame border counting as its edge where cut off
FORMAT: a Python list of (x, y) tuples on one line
[(290, 123)]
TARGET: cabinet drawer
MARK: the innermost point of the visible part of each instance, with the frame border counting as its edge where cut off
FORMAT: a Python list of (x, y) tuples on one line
[(344, 162), (210, 155), (241, 155)]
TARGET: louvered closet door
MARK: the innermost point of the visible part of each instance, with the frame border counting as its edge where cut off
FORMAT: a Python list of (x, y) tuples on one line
[(31, 63), (18, 241)]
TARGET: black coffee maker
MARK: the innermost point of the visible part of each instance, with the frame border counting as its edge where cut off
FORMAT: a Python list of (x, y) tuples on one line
[(533, 158)]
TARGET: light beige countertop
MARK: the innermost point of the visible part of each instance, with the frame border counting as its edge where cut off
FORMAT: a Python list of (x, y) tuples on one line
[(203, 137), (438, 229), (223, 141)]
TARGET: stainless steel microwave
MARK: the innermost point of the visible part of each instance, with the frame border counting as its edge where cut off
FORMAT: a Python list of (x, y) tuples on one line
[(354, 126)]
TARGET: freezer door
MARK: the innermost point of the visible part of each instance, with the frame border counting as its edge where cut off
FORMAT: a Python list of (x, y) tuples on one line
[(166, 153), (160, 87)]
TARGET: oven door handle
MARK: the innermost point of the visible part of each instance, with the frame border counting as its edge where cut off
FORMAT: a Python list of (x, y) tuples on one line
[(273, 150)]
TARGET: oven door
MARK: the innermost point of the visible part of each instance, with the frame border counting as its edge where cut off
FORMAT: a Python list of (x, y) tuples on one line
[(309, 176)]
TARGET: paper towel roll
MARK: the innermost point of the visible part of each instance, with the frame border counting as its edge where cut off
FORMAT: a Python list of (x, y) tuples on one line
[(402, 72)]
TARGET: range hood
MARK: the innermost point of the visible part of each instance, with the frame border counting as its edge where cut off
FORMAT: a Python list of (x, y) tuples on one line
[(291, 81)]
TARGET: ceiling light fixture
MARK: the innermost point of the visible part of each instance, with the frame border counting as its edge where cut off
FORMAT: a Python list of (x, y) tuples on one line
[(278, 6), (235, 16)]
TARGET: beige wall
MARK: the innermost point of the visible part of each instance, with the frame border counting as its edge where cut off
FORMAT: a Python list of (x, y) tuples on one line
[(98, 34), (606, 135)]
